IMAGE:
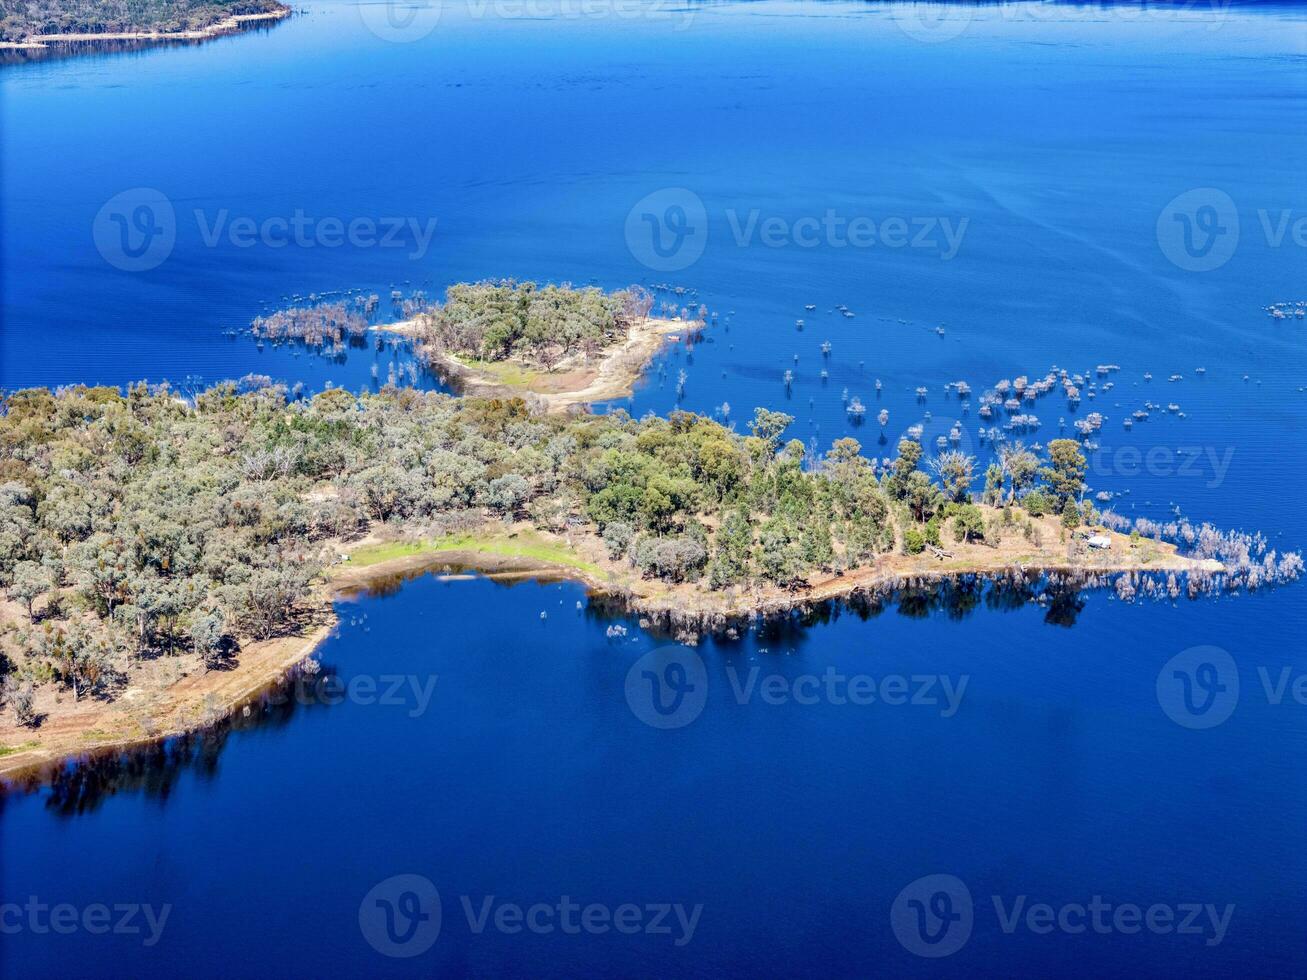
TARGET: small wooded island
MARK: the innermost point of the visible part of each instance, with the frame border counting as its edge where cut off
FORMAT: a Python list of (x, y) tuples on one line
[(147, 540), (555, 346)]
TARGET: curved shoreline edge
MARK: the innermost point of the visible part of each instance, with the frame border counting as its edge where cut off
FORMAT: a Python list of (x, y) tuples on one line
[(613, 376), (228, 25), (1049, 562), (194, 702), (200, 701)]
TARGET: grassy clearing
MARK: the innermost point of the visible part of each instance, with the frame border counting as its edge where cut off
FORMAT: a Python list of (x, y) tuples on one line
[(375, 554), (508, 373), (11, 749), (521, 546)]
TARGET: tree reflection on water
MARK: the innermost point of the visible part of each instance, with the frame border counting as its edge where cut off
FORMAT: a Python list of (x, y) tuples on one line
[(83, 784)]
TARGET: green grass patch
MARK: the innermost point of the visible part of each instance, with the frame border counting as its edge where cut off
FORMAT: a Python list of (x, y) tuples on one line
[(508, 373), (375, 554), (522, 546)]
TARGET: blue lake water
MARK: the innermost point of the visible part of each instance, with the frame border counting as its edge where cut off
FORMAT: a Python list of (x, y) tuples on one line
[(1054, 142)]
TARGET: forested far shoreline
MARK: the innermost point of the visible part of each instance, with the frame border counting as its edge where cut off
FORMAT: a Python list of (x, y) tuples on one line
[(23, 20)]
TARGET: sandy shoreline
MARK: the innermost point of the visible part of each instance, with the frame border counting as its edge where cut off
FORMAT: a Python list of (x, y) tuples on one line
[(139, 718), (573, 382), (143, 717), (225, 26), (166, 706), (690, 601)]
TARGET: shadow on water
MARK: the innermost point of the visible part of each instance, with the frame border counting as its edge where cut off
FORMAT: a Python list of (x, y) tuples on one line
[(82, 785), (56, 50), (381, 586), (956, 598)]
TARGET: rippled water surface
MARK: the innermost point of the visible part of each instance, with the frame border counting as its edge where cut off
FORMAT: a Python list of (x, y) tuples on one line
[(1036, 155)]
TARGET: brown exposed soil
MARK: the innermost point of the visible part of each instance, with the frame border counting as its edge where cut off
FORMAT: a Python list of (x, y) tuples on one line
[(175, 694), (575, 380)]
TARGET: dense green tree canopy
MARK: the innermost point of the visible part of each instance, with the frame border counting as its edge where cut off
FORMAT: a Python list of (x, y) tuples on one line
[(139, 523)]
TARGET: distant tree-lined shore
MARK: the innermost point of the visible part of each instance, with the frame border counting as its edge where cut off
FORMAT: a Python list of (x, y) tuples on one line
[(22, 20)]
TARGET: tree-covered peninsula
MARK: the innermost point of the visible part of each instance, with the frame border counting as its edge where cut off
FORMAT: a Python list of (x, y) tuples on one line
[(168, 554), (138, 528)]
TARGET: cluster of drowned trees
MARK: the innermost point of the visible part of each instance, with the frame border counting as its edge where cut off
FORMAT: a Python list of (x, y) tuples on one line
[(492, 320), (142, 525)]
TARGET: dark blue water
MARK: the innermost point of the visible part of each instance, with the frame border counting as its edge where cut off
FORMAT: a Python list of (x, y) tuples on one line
[(1059, 138), (526, 776)]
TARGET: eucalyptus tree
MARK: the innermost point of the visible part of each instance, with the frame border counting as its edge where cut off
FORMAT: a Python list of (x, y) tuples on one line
[(1020, 465), (28, 583), (955, 470)]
